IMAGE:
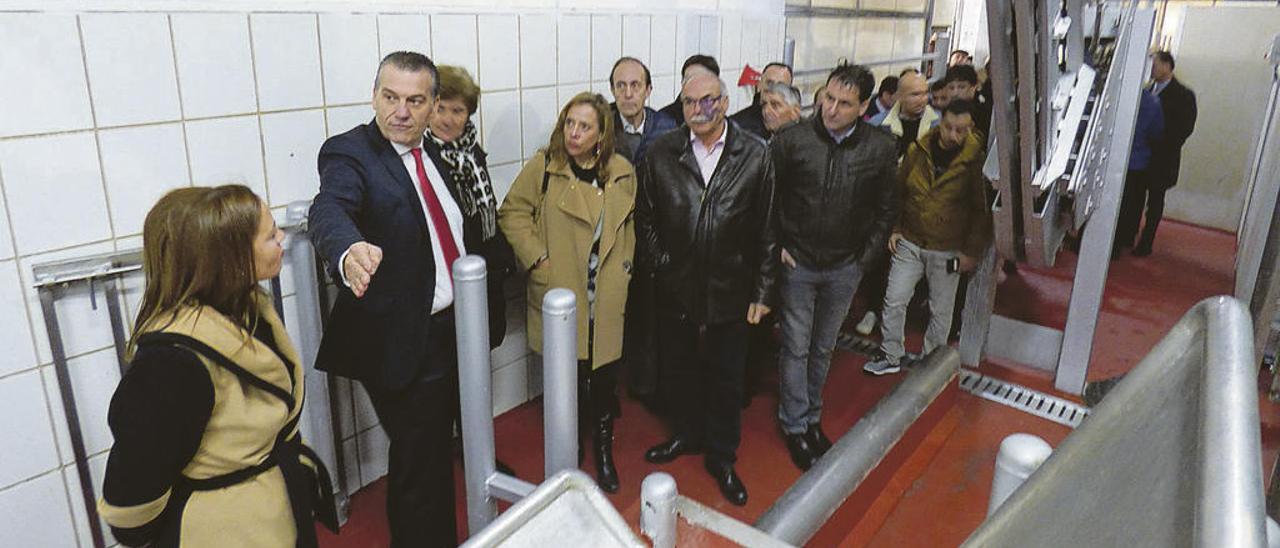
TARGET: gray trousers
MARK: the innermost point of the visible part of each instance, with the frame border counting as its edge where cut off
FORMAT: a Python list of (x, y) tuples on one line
[(906, 267), (815, 302)]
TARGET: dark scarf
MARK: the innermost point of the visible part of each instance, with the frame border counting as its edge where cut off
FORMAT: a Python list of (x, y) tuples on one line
[(474, 188)]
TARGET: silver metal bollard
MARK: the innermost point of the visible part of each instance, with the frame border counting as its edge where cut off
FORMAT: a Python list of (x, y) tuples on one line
[(471, 311), (560, 384), (1020, 455), (318, 426), (658, 509)]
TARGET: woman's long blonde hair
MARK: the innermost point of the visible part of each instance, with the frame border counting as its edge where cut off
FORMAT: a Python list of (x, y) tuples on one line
[(197, 249), (604, 117)]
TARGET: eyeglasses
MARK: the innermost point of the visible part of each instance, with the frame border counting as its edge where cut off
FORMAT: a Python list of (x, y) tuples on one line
[(703, 103)]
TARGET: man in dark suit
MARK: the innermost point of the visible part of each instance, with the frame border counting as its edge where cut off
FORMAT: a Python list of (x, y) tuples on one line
[(1178, 103), (635, 125), (387, 223)]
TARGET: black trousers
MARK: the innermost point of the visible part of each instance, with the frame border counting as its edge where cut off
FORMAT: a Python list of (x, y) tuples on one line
[(597, 395), (874, 284), (1139, 187), (703, 369), (419, 421), (638, 349)]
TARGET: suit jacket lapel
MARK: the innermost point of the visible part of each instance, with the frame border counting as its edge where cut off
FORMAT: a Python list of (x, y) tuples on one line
[(395, 165)]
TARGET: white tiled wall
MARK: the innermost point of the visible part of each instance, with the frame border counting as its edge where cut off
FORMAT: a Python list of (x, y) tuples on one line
[(116, 107)]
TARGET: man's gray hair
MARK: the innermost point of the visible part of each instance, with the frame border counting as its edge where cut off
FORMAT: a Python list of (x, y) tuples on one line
[(724, 88), (789, 94), (410, 61)]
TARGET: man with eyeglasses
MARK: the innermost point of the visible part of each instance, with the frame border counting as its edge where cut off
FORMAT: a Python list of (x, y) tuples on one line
[(837, 199), (704, 229), (635, 124)]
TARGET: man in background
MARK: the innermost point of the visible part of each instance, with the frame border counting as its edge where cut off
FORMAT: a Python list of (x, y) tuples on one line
[(1178, 103), (944, 228), (886, 96), (751, 118), (695, 64), (635, 123)]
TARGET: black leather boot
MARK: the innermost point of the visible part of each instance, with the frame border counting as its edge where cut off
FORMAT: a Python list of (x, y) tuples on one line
[(602, 438)]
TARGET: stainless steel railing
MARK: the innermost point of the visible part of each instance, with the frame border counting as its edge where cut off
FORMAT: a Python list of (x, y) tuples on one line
[(1170, 457), (485, 485)]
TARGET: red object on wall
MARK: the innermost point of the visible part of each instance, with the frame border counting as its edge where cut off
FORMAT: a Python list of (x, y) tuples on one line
[(749, 76)]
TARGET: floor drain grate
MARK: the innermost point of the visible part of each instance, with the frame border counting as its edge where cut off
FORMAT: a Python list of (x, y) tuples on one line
[(857, 344), (1020, 397)]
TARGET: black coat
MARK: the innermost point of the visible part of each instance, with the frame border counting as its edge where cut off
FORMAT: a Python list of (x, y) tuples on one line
[(674, 110), (499, 259), (835, 202), (366, 194), (1179, 105), (711, 248), (752, 119)]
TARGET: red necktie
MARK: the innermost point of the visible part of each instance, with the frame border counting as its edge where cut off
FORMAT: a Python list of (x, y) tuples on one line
[(445, 236)]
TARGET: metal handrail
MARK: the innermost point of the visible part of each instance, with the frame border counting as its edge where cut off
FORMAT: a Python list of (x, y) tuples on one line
[(1172, 453), (806, 506), (485, 485)]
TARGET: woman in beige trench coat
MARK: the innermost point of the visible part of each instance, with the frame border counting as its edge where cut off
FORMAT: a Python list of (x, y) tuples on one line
[(569, 219)]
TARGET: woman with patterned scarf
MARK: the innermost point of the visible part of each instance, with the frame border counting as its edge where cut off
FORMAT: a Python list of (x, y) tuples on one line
[(451, 129)]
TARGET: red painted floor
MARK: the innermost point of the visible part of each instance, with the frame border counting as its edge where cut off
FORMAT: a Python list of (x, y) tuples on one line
[(938, 494)]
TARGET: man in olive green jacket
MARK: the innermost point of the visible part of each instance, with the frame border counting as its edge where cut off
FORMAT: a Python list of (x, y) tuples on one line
[(943, 228)]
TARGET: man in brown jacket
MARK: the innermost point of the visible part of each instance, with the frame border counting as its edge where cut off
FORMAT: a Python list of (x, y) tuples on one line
[(943, 228)]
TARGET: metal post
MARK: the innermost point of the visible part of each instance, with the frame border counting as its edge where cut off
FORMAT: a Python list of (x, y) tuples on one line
[(560, 380), (321, 425), (1095, 250), (1020, 455), (789, 51), (476, 394), (928, 34), (658, 509), (1231, 483), (49, 294), (979, 304), (111, 287)]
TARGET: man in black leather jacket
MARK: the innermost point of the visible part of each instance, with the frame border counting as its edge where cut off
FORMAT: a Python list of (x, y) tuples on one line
[(837, 199), (704, 225)]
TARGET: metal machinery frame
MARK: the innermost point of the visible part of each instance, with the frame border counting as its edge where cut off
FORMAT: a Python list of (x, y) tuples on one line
[(1061, 136), (54, 280), (1171, 456), (1258, 259)]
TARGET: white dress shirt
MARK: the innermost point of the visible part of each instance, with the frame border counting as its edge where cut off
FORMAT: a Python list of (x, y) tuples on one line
[(443, 284), (708, 159), (637, 129)]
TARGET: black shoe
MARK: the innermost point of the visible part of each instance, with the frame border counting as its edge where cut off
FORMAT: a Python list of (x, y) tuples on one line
[(802, 453), (727, 480), (817, 440), (1142, 250), (602, 440), (667, 451)]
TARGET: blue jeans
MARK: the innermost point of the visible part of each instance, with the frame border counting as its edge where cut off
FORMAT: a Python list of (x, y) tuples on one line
[(908, 265), (815, 302)]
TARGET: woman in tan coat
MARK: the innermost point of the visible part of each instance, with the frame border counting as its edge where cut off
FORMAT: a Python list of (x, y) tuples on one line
[(207, 450), (568, 217)]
